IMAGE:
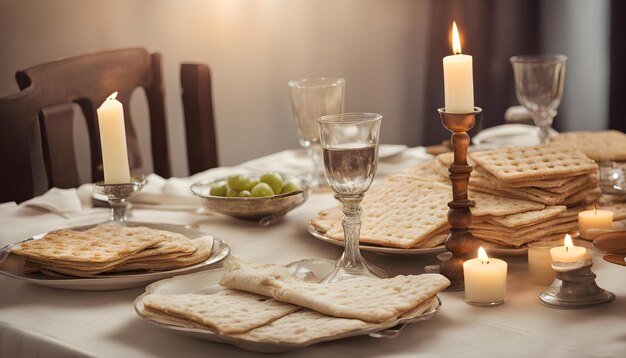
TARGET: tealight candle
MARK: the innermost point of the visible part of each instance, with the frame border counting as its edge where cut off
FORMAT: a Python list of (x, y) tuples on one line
[(113, 141), (540, 269), (568, 253), (594, 219), (485, 280)]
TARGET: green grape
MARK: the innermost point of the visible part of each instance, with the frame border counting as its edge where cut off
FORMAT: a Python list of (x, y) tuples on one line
[(244, 193), (231, 193), (238, 182), (289, 187), (252, 183), (262, 189), (274, 180), (219, 189)]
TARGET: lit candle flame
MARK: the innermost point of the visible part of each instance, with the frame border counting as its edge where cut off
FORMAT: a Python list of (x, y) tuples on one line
[(482, 255), (456, 40), (568, 242), (112, 96)]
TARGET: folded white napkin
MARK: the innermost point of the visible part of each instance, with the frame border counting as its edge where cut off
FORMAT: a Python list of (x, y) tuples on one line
[(64, 202), (509, 135), (174, 192)]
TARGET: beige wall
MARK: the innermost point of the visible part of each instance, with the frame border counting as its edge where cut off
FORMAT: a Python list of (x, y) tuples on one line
[(253, 47)]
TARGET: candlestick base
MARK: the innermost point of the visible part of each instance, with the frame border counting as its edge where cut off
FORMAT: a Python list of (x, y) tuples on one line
[(118, 194), (575, 288)]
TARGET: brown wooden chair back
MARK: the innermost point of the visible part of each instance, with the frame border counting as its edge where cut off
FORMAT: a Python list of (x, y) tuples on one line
[(47, 93), (195, 80)]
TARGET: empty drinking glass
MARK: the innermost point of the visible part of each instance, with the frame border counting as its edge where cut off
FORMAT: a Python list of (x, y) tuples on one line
[(311, 99), (539, 87), (350, 146)]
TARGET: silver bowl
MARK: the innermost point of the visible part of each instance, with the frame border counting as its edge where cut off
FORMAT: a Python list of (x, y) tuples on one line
[(254, 208)]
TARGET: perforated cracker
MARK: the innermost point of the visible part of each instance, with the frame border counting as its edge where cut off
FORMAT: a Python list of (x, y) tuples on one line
[(600, 146), (369, 300), (226, 311), (530, 217), (536, 162)]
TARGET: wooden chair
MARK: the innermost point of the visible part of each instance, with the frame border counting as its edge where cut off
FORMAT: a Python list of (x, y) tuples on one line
[(195, 80), (47, 93)]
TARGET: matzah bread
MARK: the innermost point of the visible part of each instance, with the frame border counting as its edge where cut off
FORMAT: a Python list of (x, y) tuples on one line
[(226, 312), (366, 299), (600, 146), (75, 246), (536, 162)]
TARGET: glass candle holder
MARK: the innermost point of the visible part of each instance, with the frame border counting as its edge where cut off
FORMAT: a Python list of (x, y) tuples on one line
[(540, 270)]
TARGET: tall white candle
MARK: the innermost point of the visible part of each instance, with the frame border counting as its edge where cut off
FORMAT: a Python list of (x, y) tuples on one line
[(458, 78), (485, 279), (113, 141)]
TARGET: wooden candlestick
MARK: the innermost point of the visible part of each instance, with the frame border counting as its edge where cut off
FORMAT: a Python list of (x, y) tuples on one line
[(460, 242)]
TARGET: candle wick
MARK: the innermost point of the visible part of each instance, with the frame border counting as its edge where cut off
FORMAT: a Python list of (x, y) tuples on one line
[(595, 209)]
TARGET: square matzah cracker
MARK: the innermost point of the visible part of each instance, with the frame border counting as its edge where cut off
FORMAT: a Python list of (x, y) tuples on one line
[(227, 311), (369, 300), (536, 162), (600, 146), (75, 246), (401, 211)]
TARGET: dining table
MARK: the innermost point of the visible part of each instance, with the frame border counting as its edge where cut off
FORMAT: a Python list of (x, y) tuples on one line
[(38, 321)]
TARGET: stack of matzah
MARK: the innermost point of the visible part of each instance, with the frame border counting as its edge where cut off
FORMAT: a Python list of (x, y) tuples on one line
[(266, 303), (405, 211), (550, 175), (110, 248), (602, 146)]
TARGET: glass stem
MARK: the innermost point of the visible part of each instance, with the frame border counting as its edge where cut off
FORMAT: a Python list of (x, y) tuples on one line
[(351, 228), (118, 209), (318, 177), (544, 134)]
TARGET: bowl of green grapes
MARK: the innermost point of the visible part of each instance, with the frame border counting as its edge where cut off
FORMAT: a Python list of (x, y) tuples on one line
[(253, 196)]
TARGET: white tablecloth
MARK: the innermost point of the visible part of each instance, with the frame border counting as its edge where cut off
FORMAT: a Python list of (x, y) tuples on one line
[(37, 321)]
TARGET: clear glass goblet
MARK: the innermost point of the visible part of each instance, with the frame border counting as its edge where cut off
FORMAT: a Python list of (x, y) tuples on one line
[(539, 87), (350, 150), (311, 99)]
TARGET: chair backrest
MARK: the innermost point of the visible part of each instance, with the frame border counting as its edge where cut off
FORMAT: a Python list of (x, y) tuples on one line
[(195, 80), (47, 93)]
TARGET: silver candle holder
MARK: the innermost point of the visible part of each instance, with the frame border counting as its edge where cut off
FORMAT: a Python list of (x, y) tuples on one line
[(118, 194), (575, 287)]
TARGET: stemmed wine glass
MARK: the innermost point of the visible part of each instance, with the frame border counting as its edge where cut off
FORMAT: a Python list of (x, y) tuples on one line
[(350, 149), (539, 87), (311, 99)]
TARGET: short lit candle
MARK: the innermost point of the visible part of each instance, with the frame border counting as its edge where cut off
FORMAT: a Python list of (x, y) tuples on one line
[(594, 219), (485, 279), (113, 141), (458, 78), (568, 253)]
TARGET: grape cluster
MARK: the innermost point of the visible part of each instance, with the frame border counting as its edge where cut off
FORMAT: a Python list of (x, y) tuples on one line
[(268, 184)]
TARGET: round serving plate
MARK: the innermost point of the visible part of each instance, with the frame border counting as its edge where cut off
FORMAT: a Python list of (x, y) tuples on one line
[(207, 282), (11, 265), (491, 248)]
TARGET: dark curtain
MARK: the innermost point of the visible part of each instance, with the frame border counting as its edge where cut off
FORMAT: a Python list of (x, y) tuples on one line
[(491, 31), (617, 118)]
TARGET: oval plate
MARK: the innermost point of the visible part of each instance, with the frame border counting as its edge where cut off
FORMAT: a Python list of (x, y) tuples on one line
[(491, 248), (11, 265), (207, 282)]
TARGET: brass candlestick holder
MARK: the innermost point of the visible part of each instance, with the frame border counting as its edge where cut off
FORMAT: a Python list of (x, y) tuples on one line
[(575, 287), (460, 242), (118, 194)]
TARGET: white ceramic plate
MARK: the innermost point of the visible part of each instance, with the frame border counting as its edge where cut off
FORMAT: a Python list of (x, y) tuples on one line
[(386, 151), (379, 249), (491, 248), (207, 282), (11, 265)]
